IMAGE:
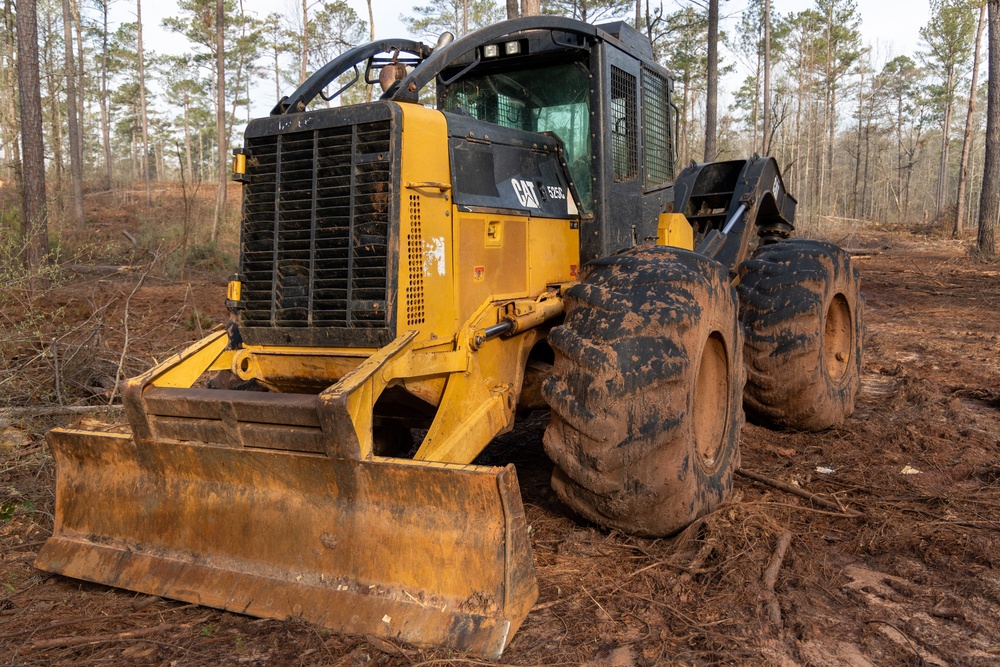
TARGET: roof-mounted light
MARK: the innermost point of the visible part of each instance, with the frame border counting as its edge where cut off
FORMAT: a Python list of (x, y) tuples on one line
[(491, 51), (512, 48)]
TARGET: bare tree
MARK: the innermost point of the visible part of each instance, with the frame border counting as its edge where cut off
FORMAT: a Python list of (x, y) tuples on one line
[(9, 127), (142, 105), (989, 196), (948, 37), (766, 143), (526, 8), (220, 117), (304, 64), (102, 101), (34, 227), (712, 89), (73, 114), (963, 170)]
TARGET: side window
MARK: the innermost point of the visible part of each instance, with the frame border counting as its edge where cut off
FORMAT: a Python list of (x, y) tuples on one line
[(624, 135), (659, 151)]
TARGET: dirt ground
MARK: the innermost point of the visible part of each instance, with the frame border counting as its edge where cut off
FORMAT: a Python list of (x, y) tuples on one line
[(897, 567)]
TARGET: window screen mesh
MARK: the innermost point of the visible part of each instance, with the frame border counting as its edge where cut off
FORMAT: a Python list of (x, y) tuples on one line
[(659, 161), (624, 137)]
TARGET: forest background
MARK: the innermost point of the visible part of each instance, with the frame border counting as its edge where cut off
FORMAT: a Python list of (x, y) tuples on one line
[(887, 129), (860, 129)]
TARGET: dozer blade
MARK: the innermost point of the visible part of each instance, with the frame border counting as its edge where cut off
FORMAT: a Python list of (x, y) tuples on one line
[(431, 554)]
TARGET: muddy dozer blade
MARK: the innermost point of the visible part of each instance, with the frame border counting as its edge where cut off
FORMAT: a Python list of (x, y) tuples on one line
[(430, 554)]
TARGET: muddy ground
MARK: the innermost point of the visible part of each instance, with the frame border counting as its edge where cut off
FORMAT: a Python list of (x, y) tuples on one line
[(897, 567)]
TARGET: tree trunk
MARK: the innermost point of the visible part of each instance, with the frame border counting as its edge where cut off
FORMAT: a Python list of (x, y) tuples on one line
[(187, 138), (899, 159), (942, 186), (755, 112), (963, 171), (989, 196), (220, 117), (142, 105), (800, 164), (531, 7), (684, 153), (857, 163), (371, 37), (73, 117), (712, 89), (867, 178), (81, 83), (10, 126), (513, 9), (304, 65), (34, 227), (103, 101), (766, 146)]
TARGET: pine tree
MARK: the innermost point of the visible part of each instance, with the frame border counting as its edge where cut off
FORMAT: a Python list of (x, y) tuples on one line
[(989, 198)]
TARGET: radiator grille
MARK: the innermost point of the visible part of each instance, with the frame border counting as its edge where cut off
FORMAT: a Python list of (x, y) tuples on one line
[(315, 245), (415, 260)]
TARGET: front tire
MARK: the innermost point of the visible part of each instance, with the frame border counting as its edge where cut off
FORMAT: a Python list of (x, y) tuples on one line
[(801, 306), (646, 391)]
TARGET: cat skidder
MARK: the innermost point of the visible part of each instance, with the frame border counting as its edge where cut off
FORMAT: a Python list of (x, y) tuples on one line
[(409, 279)]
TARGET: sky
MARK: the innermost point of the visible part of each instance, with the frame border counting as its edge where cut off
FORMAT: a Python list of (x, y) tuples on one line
[(891, 27)]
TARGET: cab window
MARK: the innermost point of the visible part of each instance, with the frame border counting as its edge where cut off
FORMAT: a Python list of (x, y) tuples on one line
[(553, 98)]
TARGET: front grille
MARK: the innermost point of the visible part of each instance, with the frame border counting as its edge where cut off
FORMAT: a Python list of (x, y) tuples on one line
[(317, 218)]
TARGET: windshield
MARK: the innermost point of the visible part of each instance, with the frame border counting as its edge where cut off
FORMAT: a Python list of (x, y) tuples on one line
[(553, 99)]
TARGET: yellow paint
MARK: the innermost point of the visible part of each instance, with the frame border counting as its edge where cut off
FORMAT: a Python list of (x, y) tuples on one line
[(459, 273), (426, 301), (234, 290), (675, 230), (182, 370), (410, 551), (239, 163)]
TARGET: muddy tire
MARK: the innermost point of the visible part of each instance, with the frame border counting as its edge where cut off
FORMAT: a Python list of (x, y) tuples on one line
[(801, 308), (646, 391)]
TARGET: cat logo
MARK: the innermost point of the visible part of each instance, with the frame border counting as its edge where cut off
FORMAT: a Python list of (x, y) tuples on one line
[(478, 274), (525, 191)]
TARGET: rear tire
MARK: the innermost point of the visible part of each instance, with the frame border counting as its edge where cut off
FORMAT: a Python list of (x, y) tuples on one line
[(646, 391), (801, 307)]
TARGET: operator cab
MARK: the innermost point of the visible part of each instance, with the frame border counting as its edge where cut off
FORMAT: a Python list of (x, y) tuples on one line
[(605, 99), (598, 89)]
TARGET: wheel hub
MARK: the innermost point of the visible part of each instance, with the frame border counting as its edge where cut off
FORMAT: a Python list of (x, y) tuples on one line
[(711, 401), (838, 338)]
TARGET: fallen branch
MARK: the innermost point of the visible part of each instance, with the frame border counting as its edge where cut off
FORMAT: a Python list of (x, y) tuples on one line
[(45, 411), (99, 269), (770, 578), (796, 491), (62, 642), (387, 647)]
